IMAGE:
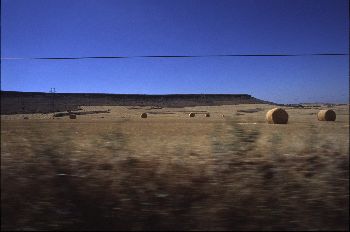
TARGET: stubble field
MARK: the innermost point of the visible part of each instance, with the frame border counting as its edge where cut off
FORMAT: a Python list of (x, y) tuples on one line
[(117, 171)]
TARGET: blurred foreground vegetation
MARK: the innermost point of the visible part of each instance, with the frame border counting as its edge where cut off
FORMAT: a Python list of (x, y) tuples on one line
[(55, 177)]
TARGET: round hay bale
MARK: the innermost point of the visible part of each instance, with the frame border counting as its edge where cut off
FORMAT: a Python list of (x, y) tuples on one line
[(25, 118), (73, 116), (192, 115), (207, 115), (144, 115), (277, 116), (223, 115), (326, 115)]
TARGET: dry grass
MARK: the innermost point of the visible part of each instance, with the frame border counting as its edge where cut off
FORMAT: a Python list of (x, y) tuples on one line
[(173, 173)]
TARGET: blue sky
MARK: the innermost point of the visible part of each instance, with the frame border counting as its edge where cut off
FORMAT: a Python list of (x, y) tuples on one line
[(73, 28)]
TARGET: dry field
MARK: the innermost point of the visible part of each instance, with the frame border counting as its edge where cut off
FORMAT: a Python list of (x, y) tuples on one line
[(117, 171)]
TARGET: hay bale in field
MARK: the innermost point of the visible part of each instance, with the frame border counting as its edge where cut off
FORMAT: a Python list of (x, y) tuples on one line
[(25, 118), (277, 116), (144, 115), (207, 115), (326, 115), (223, 115), (192, 115), (73, 116)]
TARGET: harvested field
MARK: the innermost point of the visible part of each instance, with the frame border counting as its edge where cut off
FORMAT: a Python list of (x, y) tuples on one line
[(173, 172), (62, 114), (251, 110)]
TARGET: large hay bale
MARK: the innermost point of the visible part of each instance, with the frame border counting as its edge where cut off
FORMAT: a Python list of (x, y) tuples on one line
[(72, 116), (207, 115), (144, 115), (326, 115), (192, 115), (277, 116)]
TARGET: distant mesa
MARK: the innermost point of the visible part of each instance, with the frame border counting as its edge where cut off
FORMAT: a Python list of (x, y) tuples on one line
[(13, 102)]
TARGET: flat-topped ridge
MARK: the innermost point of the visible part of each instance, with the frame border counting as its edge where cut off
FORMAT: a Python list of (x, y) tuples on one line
[(13, 102)]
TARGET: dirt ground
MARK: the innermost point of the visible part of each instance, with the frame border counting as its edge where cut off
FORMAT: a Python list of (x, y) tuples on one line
[(118, 171)]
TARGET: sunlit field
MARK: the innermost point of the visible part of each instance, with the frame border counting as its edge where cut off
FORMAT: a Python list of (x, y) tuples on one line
[(117, 171)]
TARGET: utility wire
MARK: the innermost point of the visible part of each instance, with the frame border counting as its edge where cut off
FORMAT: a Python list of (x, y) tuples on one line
[(169, 56)]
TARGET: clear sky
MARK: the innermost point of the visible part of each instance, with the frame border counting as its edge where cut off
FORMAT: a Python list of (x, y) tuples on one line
[(73, 28)]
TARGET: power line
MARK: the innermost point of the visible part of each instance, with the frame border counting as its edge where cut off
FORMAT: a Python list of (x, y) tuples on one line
[(171, 56)]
